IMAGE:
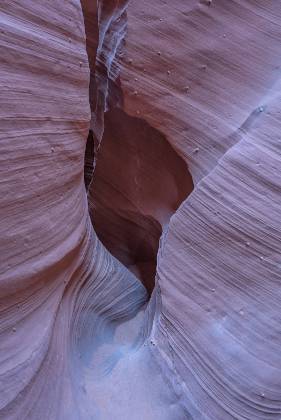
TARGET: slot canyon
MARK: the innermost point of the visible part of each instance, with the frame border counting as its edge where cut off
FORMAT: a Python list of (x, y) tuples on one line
[(140, 210)]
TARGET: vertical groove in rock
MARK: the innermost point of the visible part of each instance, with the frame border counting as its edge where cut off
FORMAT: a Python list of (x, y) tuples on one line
[(105, 27)]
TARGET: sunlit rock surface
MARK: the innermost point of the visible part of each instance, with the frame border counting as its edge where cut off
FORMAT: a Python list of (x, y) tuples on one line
[(140, 202)]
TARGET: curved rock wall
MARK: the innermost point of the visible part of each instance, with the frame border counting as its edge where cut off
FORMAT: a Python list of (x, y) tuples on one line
[(57, 280), (210, 80), (194, 97)]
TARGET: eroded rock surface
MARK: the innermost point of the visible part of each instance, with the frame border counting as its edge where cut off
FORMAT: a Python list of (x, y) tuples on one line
[(180, 103)]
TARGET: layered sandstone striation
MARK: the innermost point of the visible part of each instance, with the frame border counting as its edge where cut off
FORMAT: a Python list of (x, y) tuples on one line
[(140, 210)]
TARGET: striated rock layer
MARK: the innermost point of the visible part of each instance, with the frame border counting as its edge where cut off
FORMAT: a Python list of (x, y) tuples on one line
[(210, 81), (176, 135)]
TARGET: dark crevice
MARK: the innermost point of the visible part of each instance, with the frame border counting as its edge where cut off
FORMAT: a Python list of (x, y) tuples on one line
[(89, 160)]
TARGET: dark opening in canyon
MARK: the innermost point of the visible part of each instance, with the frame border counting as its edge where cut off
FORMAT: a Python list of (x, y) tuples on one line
[(139, 181)]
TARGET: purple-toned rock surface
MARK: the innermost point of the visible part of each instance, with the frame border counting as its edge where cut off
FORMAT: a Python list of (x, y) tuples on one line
[(153, 293)]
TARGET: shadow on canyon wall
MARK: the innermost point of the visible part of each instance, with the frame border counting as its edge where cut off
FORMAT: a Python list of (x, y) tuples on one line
[(139, 181)]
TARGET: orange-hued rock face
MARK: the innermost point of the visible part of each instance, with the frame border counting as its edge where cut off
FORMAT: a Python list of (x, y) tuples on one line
[(154, 292)]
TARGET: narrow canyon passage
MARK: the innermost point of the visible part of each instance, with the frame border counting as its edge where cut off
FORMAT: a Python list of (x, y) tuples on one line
[(140, 234), (137, 184)]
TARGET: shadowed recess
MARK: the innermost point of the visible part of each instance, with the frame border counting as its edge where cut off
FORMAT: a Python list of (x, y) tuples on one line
[(138, 183)]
